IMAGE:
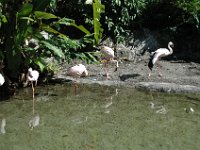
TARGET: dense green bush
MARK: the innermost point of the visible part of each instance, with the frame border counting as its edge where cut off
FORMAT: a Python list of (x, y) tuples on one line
[(123, 16), (75, 25), (120, 15), (28, 19), (193, 8)]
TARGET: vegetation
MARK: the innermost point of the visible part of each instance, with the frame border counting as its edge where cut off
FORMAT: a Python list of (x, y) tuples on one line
[(74, 26)]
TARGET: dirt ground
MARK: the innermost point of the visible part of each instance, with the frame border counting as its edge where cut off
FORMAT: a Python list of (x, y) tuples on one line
[(128, 73)]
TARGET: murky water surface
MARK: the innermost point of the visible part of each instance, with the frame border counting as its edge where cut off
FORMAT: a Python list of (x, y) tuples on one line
[(99, 118)]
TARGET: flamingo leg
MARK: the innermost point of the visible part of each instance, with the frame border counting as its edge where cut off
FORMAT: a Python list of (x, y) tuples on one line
[(33, 92), (117, 65), (160, 74), (107, 74), (105, 68), (76, 85), (75, 88), (159, 66), (149, 75)]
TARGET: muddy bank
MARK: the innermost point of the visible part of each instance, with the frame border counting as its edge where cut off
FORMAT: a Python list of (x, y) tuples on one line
[(177, 76)]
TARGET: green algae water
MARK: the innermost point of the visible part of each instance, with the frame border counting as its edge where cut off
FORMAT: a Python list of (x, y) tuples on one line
[(99, 118)]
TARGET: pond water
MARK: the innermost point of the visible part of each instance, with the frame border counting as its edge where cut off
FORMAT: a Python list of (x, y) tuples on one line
[(100, 118)]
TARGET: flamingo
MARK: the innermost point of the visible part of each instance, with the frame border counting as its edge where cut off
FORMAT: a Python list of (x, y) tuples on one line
[(158, 54), (108, 57), (77, 71), (2, 80), (32, 76)]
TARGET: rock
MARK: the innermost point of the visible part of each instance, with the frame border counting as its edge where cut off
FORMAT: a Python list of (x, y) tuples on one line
[(108, 42), (125, 53), (167, 87)]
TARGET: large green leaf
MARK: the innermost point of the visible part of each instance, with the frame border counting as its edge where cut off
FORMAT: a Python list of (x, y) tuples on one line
[(80, 27), (54, 49), (25, 10), (70, 22), (88, 57), (98, 8), (3, 18), (50, 29), (44, 15), (40, 63)]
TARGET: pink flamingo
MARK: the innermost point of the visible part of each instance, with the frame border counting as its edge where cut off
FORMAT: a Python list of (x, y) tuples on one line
[(108, 57), (76, 72), (158, 54)]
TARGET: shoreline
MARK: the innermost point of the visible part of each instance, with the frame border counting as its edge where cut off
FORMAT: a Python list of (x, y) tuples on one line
[(177, 77)]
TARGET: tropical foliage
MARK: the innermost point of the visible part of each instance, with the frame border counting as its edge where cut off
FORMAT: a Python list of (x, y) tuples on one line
[(123, 16), (28, 21), (74, 27)]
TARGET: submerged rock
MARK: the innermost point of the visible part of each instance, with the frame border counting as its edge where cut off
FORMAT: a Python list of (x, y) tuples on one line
[(167, 87)]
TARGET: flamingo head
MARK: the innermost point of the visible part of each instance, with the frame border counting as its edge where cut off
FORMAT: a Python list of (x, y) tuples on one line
[(85, 73), (171, 44), (30, 70)]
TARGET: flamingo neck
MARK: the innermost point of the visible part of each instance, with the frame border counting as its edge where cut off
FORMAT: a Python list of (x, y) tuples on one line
[(170, 49)]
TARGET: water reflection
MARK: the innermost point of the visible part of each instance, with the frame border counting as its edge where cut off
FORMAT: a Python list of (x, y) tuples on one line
[(108, 104), (158, 109), (34, 121), (99, 117), (79, 120), (3, 125), (189, 110)]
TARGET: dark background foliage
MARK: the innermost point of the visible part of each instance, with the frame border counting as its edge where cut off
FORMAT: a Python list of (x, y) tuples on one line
[(178, 19)]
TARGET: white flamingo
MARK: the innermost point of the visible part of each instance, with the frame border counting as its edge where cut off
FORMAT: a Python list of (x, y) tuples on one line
[(2, 79), (32, 76), (158, 54), (108, 57)]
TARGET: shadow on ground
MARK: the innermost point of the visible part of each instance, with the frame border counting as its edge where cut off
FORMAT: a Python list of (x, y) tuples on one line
[(124, 77)]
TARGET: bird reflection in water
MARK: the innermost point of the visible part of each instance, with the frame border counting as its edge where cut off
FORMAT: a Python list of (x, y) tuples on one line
[(34, 121), (3, 125)]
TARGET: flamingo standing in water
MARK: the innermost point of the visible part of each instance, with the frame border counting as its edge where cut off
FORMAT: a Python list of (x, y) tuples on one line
[(32, 76), (158, 54), (77, 71), (108, 57)]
